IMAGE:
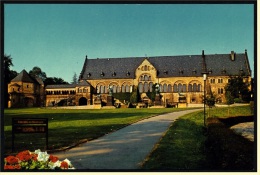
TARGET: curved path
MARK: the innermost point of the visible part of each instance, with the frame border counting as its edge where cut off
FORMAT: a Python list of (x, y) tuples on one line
[(124, 149)]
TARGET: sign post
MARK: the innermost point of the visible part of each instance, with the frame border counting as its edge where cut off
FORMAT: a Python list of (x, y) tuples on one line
[(29, 126)]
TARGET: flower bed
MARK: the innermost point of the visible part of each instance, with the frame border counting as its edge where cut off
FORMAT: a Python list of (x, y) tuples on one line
[(27, 160)]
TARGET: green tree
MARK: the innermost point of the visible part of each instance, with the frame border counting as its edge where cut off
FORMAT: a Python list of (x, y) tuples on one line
[(37, 72), (135, 96), (54, 80), (237, 88), (74, 79), (8, 76)]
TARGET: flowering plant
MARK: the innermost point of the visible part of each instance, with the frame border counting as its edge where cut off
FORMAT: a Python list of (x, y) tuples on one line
[(27, 160)]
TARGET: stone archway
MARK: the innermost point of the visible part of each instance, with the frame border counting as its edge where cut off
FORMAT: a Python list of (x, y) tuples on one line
[(83, 101)]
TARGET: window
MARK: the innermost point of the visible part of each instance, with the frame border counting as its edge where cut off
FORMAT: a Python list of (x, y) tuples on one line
[(184, 87), (151, 87), (175, 89), (220, 80), (146, 88), (220, 90), (169, 88), (127, 88), (190, 88), (140, 87), (212, 81), (123, 88), (165, 88), (179, 87)]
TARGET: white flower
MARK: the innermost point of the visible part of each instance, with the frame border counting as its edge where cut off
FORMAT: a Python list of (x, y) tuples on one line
[(54, 165), (37, 151), (43, 156)]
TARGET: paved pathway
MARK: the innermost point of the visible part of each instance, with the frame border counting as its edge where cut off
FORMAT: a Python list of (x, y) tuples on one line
[(124, 149)]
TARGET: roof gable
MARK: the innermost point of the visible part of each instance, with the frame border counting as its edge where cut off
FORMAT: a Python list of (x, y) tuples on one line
[(23, 76)]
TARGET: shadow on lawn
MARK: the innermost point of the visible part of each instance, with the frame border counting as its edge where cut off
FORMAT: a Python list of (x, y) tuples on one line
[(227, 151)]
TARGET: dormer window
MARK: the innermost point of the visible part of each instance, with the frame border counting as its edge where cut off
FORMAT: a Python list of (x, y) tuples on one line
[(165, 72), (89, 74), (128, 73), (180, 71), (114, 74), (194, 71), (210, 71), (102, 74)]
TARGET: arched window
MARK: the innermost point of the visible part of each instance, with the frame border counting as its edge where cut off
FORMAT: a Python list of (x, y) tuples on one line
[(123, 88), (161, 88), (184, 87), (141, 78), (101, 89), (146, 87), (84, 90), (175, 89), (190, 88), (165, 88), (169, 88), (151, 86), (127, 88), (114, 88), (180, 87), (118, 89), (140, 87), (146, 78), (131, 88), (194, 87), (145, 68), (199, 87)]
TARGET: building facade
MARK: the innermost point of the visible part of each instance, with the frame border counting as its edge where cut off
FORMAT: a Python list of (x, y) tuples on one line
[(26, 91), (177, 76)]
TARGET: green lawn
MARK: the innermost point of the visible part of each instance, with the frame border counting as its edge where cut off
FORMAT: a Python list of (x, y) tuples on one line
[(183, 146), (70, 126)]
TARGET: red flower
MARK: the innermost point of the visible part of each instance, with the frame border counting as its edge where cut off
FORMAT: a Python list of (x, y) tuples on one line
[(34, 156), (53, 158), (11, 160), (64, 165), (24, 155), (12, 167)]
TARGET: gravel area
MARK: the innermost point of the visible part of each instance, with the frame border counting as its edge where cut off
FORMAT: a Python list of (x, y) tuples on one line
[(245, 129)]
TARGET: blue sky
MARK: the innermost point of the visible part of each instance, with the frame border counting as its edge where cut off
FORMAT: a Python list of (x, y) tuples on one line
[(57, 37)]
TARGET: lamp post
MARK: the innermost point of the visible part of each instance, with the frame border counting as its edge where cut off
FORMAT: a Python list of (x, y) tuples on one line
[(204, 99)]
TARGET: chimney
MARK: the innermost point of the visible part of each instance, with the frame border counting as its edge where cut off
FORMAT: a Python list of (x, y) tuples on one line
[(232, 56)]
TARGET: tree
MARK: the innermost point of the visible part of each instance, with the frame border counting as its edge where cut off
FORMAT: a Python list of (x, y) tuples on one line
[(74, 79), (54, 80), (37, 72), (8, 76), (237, 88), (135, 96)]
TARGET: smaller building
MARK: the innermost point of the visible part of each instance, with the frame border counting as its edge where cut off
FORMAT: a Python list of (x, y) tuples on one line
[(26, 91), (69, 94)]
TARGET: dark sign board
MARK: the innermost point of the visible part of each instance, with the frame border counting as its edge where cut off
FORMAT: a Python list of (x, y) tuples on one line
[(29, 125)]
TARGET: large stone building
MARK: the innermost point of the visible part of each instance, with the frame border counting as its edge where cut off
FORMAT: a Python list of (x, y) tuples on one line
[(176, 75)]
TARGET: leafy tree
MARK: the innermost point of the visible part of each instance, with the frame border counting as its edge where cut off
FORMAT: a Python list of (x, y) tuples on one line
[(237, 88), (54, 80), (74, 79), (135, 96), (8, 76), (37, 72)]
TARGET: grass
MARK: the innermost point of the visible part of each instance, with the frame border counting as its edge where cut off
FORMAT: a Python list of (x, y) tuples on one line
[(68, 127), (183, 146)]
